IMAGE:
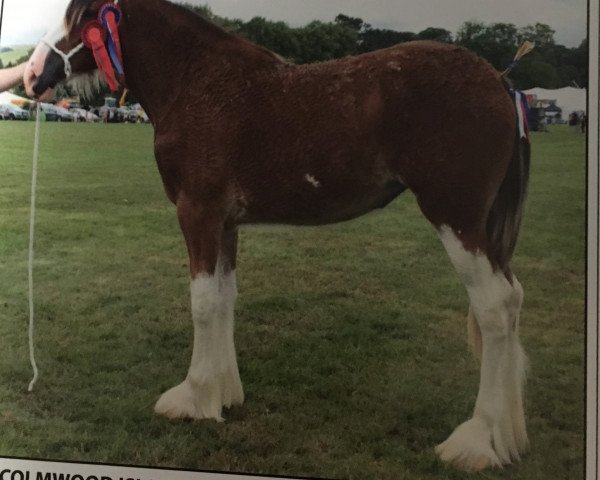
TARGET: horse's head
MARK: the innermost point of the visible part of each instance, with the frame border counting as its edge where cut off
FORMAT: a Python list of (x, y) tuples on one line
[(62, 53)]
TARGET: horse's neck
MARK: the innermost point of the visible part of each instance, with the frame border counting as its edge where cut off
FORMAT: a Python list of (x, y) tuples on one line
[(168, 51)]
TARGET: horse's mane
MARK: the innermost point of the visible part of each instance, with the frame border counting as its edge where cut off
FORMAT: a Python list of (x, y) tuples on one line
[(77, 9), (74, 13), (85, 85)]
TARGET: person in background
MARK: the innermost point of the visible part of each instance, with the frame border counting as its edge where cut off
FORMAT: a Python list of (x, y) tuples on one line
[(11, 77)]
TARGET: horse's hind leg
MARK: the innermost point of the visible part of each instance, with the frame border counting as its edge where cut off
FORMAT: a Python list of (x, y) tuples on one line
[(213, 380), (496, 433)]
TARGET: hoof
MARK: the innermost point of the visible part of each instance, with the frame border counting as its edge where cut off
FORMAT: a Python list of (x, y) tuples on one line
[(182, 402), (191, 400), (469, 448)]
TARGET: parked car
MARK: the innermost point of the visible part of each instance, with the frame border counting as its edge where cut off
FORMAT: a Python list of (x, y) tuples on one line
[(132, 117), (64, 115), (144, 117), (12, 112), (68, 103), (111, 115), (141, 114), (50, 113), (81, 115), (78, 114), (56, 114)]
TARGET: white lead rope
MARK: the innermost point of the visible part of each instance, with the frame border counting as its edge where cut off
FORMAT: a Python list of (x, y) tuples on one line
[(36, 153)]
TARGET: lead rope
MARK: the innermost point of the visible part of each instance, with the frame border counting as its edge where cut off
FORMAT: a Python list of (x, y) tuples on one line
[(36, 153)]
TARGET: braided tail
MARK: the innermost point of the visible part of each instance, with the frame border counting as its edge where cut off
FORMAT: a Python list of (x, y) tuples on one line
[(504, 219)]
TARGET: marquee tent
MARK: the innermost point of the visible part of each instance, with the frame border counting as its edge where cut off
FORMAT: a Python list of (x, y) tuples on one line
[(569, 99), (7, 98)]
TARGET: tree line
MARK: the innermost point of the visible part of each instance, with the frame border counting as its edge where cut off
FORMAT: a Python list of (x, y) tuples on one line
[(549, 65)]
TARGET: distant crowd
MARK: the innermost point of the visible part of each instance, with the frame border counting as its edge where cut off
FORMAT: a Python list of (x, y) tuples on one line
[(578, 120)]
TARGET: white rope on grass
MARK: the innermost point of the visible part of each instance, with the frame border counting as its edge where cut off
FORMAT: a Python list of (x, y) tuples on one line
[(36, 153)]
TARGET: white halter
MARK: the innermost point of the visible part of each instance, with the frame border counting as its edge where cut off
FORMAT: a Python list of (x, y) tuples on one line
[(65, 56)]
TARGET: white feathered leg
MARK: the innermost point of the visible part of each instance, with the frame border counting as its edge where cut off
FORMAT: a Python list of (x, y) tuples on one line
[(496, 435), (213, 380)]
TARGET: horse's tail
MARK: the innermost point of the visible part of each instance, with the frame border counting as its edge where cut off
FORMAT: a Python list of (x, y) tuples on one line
[(504, 219)]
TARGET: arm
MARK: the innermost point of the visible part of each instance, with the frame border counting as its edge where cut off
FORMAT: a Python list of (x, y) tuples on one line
[(11, 77)]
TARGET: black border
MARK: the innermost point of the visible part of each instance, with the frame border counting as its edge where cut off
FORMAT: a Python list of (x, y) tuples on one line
[(165, 469)]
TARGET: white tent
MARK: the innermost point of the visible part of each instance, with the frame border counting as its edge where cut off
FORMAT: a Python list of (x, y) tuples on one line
[(569, 99), (7, 98)]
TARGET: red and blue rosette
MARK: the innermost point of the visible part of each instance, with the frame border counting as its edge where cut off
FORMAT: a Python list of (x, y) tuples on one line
[(93, 36), (109, 16)]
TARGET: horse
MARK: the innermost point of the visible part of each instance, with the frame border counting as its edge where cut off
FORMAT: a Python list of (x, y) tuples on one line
[(243, 136)]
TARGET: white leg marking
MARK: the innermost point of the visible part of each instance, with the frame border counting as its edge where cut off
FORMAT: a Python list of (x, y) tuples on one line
[(496, 434), (213, 380)]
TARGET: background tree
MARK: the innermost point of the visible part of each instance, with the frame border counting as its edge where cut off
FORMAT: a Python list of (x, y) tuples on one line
[(497, 42), (354, 23), (321, 41), (541, 34), (550, 65), (276, 36), (376, 38), (436, 34)]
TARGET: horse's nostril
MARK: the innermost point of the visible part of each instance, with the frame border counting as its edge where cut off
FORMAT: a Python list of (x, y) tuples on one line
[(35, 86)]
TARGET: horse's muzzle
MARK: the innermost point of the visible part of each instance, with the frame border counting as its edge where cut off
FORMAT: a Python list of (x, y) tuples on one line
[(43, 72)]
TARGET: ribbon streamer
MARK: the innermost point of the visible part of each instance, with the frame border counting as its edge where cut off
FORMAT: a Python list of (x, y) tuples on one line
[(93, 35), (110, 16)]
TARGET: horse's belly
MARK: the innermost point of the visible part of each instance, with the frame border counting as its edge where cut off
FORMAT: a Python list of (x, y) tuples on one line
[(316, 202)]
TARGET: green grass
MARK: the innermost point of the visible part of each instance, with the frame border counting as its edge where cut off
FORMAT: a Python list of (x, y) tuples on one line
[(15, 54), (351, 338)]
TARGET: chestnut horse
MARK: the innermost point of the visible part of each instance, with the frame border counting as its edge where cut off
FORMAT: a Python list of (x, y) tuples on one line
[(242, 136)]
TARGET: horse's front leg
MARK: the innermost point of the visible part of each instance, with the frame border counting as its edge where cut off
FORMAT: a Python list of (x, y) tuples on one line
[(213, 380)]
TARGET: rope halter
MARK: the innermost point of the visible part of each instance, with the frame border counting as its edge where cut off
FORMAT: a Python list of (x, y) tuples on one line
[(66, 57)]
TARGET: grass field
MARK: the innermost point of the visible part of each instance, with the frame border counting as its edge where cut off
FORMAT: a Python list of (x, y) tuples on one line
[(14, 54), (351, 338)]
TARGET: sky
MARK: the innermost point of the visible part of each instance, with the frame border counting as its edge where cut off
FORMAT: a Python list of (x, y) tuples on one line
[(25, 21)]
